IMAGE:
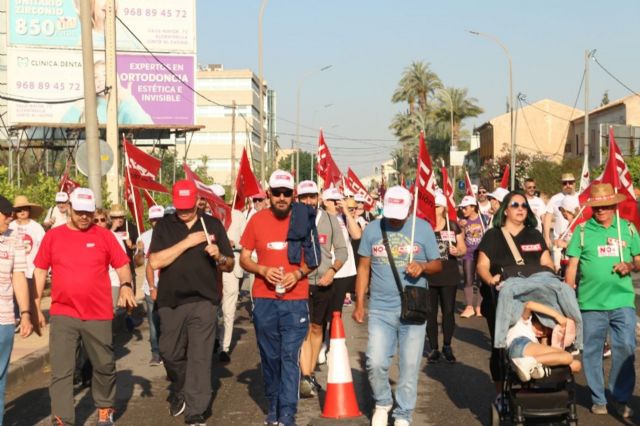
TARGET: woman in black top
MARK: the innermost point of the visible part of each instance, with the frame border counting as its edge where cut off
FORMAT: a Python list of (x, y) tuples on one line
[(518, 219), (443, 285)]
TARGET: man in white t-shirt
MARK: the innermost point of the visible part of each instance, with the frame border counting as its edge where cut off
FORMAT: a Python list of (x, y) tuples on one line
[(554, 223), (58, 214), (484, 205), (535, 203)]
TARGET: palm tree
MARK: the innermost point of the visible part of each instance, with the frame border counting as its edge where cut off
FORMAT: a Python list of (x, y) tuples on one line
[(463, 107), (417, 84)]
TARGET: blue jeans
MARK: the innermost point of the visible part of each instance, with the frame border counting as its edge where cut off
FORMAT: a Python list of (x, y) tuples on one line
[(6, 345), (154, 320), (281, 326), (621, 324), (386, 333)]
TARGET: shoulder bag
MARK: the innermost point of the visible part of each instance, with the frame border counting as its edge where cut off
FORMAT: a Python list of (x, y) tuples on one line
[(413, 298), (520, 269)]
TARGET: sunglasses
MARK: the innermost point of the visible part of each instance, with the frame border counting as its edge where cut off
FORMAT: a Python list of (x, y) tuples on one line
[(482, 192), (277, 192), (352, 209), (568, 182), (531, 187), (117, 217), (603, 208), (100, 220), (21, 209), (515, 205)]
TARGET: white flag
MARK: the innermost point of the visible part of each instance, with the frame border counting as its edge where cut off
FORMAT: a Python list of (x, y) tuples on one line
[(584, 177)]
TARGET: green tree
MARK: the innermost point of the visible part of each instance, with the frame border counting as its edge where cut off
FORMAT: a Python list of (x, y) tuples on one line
[(305, 165), (463, 107), (417, 84)]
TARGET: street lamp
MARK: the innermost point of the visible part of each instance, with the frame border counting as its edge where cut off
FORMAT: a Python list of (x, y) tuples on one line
[(304, 77), (263, 6), (513, 136), (446, 92)]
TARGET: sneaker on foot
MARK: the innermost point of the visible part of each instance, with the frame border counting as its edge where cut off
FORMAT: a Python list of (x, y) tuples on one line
[(448, 354), (315, 383), (224, 357), (307, 390), (434, 356), (624, 410), (322, 355), (155, 360), (381, 416), (539, 371), (599, 409), (105, 417), (177, 406), (523, 367), (401, 422), (197, 420), (468, 312)]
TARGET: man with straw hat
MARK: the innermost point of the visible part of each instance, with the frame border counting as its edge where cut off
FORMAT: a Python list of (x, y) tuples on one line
[(607, 249), (29, 232)]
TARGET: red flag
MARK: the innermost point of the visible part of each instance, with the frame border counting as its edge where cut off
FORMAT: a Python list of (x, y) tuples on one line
[(66, 184), (354, 185), (468, 185), (218, 208), (327, 168), (134, 203), (425, 181), (142, 168), (504, 183), (448, 193), (148, 198), (247, 184)]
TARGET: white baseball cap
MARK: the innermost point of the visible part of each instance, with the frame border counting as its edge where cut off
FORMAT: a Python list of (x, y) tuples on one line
[(359, 198), (441, 200), (468, 200), (281, 179), (498, 194), (307, 187), (332, 194), (82, 199), (156, 212), (570, 203), (397, 201), (217, 189), (62, 197)]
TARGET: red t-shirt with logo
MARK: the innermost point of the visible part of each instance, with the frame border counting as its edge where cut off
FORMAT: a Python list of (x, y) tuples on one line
[(79, 262), (267, 235)]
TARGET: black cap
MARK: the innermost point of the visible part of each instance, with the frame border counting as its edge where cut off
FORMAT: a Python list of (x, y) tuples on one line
[(6, 208)]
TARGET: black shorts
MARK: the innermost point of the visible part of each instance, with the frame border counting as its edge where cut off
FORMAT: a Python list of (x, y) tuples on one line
[(319, 303)]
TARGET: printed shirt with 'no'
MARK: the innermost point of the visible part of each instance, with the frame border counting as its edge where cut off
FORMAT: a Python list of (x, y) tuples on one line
[(13, 258)]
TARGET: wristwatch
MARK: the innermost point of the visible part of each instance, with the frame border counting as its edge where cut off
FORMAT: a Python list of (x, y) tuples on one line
[(334, 269)]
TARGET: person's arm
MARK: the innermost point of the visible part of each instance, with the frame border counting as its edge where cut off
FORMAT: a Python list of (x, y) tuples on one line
[(271, 274), (225, 263), (460, 248), (138, 257), (483, 269), (126, 298), (340, 252), (545, 260), (150, 275), (40, 279), (362, 285), (166, 257), (546, 228), (415, 269), (571, 271), (21, 292), (355, 232), (532, 306)]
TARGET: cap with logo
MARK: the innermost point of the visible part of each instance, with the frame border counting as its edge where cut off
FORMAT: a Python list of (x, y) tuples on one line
[(397, 201), (260, 195), (62, 197), (498, 194), (218, 189), (441, 200), (281, 179), (332, 194), (360, 198), (467, 200), (307, 187), (83, 200), (156, 212), (184, 195)]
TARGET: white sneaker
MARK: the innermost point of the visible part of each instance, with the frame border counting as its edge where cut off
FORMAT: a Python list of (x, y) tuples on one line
[(401, 422), (381, 416), (322, 355), (540, 371), (523, 367)]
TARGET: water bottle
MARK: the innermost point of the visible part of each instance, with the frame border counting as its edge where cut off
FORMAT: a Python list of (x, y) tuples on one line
[(280, 290)]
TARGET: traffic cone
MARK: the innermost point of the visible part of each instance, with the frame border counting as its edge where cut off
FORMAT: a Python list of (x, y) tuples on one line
[(340, 401)]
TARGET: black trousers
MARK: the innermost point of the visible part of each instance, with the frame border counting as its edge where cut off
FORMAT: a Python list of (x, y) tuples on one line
[(488, 310), (445, 298)]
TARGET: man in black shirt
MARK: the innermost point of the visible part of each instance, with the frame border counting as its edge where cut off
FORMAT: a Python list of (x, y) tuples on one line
[(191, 251)]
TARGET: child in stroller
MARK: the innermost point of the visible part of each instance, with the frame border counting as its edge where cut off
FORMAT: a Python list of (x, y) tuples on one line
[(529, 343)]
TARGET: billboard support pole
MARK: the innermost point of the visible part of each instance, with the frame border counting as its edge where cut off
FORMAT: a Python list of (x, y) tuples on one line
[(113, 175), (90, 104)]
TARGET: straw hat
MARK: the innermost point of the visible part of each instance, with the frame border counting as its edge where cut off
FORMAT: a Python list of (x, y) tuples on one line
[(602, 194), (567, 177), (117, 211), (23, 201)]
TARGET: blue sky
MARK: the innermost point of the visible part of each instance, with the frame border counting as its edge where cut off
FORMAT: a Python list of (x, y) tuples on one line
[(369, 43)]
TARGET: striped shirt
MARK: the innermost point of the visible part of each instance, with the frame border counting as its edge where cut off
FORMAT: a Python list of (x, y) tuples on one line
[(12, 259)]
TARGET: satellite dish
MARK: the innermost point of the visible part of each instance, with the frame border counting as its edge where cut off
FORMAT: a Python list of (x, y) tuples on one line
[(82, 159)]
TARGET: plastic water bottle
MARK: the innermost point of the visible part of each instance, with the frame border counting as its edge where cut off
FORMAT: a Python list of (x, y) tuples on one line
[(280, 290)]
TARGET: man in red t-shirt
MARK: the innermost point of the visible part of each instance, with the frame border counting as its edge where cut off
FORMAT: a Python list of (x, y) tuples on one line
[(280, 294), (79, 255)]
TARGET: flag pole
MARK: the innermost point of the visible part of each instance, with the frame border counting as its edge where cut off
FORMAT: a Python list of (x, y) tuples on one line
[(135, 206), (575, 218), (476, 198), (618, 226), (446, 207), (413, 224)]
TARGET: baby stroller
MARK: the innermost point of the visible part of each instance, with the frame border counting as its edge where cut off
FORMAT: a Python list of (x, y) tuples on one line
[(550, 399)]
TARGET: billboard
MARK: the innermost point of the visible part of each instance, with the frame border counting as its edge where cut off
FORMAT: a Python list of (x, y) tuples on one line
[(147, 92), (164, 26)]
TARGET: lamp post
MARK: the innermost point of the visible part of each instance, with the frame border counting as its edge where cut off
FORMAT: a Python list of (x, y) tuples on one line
[(446, 92), (263, 6), (513, 135), (304, 77)]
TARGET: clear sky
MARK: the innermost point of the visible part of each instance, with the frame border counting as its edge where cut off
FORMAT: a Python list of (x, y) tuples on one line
[(369, 43)]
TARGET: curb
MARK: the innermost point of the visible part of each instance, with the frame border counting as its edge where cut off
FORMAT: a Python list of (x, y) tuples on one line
[(22, 369)]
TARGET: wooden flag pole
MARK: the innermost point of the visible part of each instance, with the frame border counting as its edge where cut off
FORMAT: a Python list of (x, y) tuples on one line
[(413, 224), (135, 206)]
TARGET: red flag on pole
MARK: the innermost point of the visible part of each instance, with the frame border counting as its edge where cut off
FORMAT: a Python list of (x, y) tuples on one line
[(468, 185), (134, 202), (327, 168), (504, 183), (425, 181), (247, 184), (66, 184), (218, 208), (353, 183), (448, 193), (142, 168)]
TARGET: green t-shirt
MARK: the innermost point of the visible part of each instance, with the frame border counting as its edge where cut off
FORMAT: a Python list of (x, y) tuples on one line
[(600, 288)]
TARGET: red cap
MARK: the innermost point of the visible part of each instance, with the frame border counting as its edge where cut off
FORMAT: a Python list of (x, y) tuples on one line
[(184, 195)]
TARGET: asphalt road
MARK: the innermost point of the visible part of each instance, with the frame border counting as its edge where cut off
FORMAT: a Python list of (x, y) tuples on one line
[(448, 394)]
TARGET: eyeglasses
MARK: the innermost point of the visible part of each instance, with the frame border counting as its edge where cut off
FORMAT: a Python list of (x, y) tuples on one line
[(594, 208), (568, 182), (515, 205), (351, 209), (277, 192), (531, 187), (482, 192), (82, 213), (21, 209), (99, 219)]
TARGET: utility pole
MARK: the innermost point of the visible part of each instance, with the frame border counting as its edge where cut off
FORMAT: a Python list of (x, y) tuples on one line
[(90, 107), (113, 175), (233, 142), (263, 5), (587, 55)]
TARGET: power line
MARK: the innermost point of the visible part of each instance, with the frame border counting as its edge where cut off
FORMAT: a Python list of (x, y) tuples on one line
[(23, 100), (614, 77)]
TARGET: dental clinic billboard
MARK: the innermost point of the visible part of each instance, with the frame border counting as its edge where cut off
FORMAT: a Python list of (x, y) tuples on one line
[(44, 61)]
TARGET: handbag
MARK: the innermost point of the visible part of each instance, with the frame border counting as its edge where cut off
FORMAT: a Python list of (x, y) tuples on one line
[(413, 298), (520, 269)]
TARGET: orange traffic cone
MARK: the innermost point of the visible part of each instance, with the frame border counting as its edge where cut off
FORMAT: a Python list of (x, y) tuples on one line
[(340, 401)]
